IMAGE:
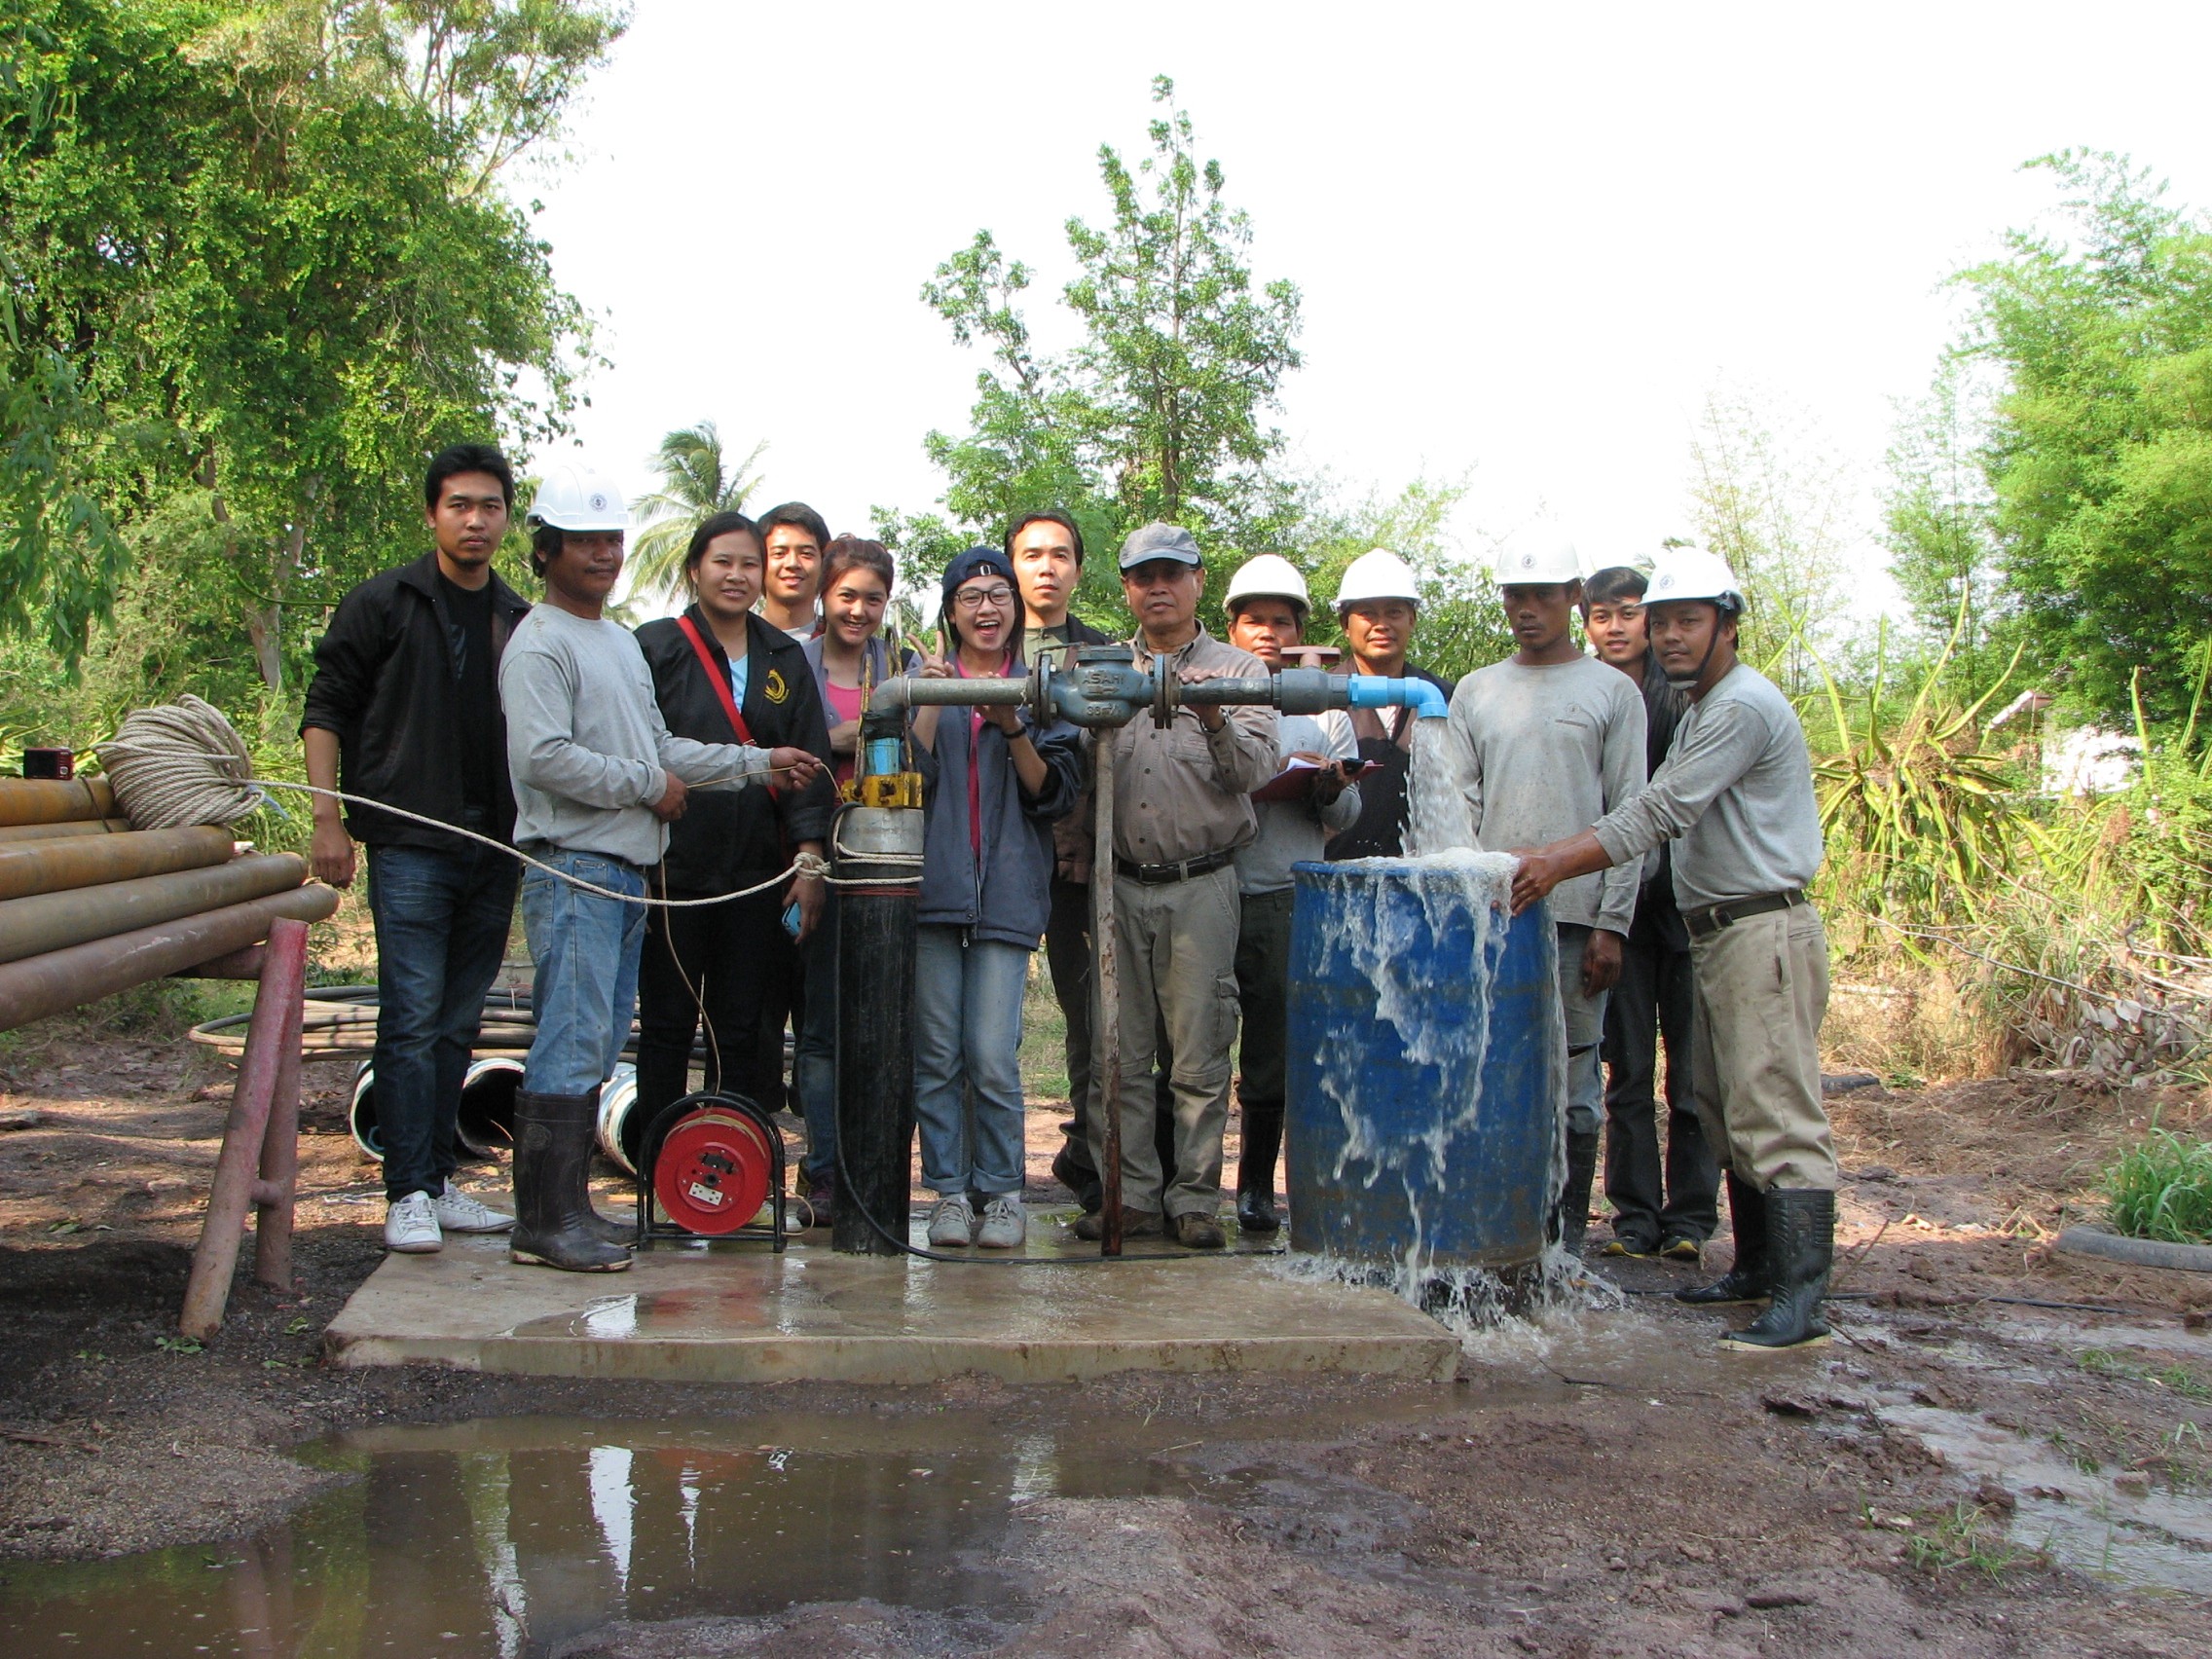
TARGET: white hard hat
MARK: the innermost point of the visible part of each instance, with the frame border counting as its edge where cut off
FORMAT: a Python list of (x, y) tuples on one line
[(1268, 575), (1541, 553), (1692, 573), (574, 497), (1377, 574)]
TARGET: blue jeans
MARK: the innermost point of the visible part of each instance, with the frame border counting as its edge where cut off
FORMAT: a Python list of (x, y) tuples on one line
[(967, 1042), (813, 1061), (441, 921), (1585, 1032), (585, 950)]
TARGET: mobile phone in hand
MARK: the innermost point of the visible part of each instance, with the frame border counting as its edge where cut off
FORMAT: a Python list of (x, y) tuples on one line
[(792, 921)]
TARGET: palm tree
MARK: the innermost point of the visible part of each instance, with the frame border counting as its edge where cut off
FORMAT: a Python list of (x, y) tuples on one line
[(695, 485)]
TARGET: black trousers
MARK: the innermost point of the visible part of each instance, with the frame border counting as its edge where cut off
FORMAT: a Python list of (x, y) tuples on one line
[(716, 957), (783, 1003), (1651, 1000), (1067, 955)]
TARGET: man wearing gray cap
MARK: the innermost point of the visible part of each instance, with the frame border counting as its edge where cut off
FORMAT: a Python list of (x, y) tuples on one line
[(1181, 810)]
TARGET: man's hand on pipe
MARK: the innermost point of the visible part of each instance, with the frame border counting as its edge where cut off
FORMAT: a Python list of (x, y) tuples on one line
[(1209, 715)]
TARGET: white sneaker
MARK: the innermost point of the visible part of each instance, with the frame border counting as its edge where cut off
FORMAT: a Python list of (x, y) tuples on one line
[(457, 1212), (411, 1225), (953, 1222), (1005, 1226)]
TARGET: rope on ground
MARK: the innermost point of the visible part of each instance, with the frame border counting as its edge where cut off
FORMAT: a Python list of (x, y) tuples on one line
[(183, 764)]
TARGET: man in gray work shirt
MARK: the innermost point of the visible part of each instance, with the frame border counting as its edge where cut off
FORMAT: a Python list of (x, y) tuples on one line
[(1737, 790), (597, 778), (1539, 745)]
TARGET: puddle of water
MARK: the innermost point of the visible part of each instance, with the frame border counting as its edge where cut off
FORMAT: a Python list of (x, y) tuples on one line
[(2081, 1519), (504, 1537)]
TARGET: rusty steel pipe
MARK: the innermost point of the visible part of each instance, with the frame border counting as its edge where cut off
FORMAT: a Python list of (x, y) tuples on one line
[(12, 834), (40, 985), (55, 921), (50, 800), (249, 1171), (88, 861), (1108, 978), (231, 965)]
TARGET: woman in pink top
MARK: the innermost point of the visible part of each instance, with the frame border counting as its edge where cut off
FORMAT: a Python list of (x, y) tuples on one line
[(849, 659)]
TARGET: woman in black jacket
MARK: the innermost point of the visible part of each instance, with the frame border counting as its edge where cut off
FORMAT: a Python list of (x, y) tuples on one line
[(716, 660)]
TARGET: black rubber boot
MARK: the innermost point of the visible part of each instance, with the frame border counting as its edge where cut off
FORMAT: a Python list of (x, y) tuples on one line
[(1800, 1250), (1570, 1217), (1746, 1281), (1262, 1134), (555, 1224)]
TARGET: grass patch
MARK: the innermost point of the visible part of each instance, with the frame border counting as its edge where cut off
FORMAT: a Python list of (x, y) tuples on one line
[(2174, 1378), (1966, 1539), (2162, 1188)]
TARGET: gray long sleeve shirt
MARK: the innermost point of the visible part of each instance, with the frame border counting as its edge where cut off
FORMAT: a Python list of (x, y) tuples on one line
[(1543, 753), (1737, 787), (586, 745)]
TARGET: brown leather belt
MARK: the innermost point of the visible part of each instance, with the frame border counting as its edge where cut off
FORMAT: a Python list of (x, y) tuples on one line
[(1703, 924), (1161, 874)]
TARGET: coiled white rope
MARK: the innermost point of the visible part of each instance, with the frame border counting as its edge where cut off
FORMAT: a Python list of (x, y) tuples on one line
[(183, 764)]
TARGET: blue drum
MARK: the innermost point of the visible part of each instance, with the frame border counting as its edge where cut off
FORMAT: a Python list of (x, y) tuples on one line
[(1427, 1064)]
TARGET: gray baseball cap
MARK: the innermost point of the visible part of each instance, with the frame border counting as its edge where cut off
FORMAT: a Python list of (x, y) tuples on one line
[(1159, 541)]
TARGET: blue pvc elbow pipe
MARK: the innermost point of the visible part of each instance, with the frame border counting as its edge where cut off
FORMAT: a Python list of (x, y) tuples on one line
[(1377, 692)]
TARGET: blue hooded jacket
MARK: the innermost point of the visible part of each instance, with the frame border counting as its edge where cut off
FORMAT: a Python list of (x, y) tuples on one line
[(1007, 898)]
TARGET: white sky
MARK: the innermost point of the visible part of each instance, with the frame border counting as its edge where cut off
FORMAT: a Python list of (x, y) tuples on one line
[(1529, 239)]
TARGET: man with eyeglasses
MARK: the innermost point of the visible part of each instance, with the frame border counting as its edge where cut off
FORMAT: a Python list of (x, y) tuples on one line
[(1182, 807)]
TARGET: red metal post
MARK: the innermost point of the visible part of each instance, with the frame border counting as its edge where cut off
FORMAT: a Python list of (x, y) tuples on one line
[(271, 1064)]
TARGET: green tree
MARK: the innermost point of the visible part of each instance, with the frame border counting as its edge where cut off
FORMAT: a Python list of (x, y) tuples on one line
[(1769, 496), (1162, 408), (1937, 517), (2100, 449), (269, 246), (696, 482)]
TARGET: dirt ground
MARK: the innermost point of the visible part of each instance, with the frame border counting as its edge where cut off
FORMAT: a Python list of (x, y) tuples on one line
[(1598, 1485)]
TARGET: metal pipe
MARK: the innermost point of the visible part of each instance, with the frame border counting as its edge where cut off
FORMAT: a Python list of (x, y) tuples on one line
[(1107, 975), (271, 1062), (40, 985), (84, 860), (876, 861), (55, 921), (14, 833), (51, 800)]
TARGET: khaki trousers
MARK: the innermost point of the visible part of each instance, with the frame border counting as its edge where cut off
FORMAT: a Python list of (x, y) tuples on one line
[(1177, 964), (1759, 990)]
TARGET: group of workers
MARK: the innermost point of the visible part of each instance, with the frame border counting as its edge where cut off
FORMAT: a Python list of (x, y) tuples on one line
[(672, 790)]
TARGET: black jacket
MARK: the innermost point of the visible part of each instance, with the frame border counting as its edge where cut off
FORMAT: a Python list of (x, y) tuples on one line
[(1385, 744), (732, 839), (386, 676)]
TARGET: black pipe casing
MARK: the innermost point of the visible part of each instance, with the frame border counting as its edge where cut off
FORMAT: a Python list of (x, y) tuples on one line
[(880, 848)]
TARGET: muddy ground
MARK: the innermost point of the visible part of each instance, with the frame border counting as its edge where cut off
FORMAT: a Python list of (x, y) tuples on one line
[(1601, 1484)]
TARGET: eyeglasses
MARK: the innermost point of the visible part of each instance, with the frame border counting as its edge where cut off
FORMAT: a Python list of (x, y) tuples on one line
[(975, 599)]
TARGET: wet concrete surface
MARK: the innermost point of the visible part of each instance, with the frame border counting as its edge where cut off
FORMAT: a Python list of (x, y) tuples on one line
[(736, 1311)]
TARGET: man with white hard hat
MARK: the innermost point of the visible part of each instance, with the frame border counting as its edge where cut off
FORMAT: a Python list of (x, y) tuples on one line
[(1379, 608), (1309, 800), (1539, 746), (1737, 792), (597, 778)]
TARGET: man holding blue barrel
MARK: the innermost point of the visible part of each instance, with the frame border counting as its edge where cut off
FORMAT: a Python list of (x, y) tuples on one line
[(1737, 792)]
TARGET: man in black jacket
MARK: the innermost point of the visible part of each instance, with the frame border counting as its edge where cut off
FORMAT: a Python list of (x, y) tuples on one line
[(404, 710), (1045, 551)]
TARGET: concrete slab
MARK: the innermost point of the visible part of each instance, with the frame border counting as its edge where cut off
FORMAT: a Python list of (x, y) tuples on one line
[(699, 1313)]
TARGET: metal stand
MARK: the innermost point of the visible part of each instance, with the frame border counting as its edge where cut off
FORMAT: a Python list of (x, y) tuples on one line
[(1108, 979), (261, 1143), (652, 1225)]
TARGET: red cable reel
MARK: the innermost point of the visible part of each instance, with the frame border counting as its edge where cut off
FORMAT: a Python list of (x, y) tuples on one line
[(713, 1171)]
